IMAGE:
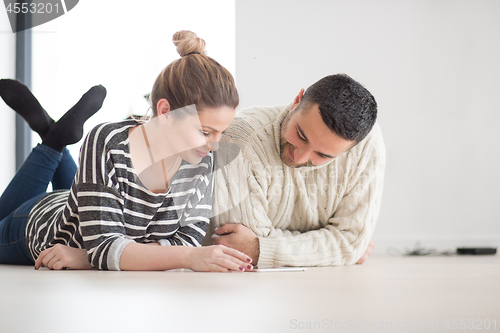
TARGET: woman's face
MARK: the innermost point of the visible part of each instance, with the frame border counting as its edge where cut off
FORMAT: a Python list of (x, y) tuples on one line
[(199, 134)]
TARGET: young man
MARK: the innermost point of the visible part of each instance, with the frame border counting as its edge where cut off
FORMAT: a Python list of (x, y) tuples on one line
[(306, 186)]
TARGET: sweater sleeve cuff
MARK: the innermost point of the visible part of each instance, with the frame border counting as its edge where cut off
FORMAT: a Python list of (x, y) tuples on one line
[(267, 251), (115, 252)]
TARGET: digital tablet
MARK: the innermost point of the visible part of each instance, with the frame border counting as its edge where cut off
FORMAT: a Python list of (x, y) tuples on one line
[(279, 269)]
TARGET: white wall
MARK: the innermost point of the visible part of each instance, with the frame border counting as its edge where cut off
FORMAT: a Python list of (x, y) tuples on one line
[(123, 46), (433, 67), (7, 132)]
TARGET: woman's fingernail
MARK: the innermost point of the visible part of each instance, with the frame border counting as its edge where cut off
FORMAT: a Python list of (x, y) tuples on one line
[(249, 267), (241, 268), (249, 260), (229, 270)]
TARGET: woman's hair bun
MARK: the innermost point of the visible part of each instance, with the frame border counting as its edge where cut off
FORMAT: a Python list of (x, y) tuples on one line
[(187, 42)]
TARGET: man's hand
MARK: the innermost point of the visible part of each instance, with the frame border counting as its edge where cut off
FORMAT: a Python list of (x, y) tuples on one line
[(238, 237), (61, 256), (367, 253)]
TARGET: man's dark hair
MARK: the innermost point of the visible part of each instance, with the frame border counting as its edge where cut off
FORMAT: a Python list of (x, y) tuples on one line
[(346, 107)]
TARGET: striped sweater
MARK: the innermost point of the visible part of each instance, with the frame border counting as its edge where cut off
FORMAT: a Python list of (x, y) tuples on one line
[(309, 216), (107, 206)]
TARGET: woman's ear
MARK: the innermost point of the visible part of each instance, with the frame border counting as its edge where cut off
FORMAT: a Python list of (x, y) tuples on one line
[(163, 108)]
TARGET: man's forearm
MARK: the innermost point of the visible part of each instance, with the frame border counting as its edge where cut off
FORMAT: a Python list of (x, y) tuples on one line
[(322, 247)]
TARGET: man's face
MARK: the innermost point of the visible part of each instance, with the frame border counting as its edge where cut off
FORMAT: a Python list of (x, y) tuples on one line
[(306, 140)]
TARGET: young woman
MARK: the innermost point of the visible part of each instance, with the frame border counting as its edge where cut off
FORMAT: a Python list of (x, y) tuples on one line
[(140, 188)]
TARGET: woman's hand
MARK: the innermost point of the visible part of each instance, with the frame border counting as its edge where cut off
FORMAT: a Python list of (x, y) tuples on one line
[(218, 258), (61, 256)]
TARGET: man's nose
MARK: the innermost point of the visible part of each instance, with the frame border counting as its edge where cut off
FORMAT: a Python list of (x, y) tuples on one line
[(301, 155)]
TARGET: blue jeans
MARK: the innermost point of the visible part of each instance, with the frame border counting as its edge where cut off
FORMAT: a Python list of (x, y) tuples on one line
[(43, 165)]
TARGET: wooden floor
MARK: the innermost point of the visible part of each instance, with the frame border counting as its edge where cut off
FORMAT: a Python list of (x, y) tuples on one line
[(386, 294)]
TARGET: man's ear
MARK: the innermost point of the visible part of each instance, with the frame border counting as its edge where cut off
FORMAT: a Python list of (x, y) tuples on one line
[(297, 99), (163, 108)]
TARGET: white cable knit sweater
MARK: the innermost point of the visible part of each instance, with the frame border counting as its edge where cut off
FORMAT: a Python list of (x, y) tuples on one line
[(310, 216)]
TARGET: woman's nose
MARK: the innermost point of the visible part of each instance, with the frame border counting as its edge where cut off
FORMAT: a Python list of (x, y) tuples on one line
[(213, 141), (213, 146)]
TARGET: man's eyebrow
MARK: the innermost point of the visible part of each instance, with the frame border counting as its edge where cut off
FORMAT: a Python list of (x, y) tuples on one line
[(301, 132), (325, 155)]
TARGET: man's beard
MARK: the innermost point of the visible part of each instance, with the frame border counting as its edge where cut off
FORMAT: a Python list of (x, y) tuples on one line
[(283, 143)]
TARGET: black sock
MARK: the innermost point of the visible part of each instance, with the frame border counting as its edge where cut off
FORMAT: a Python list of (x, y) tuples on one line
[(20, 99), (69, 129)]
